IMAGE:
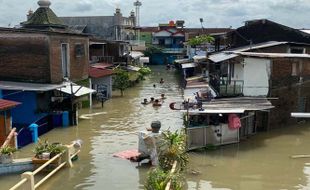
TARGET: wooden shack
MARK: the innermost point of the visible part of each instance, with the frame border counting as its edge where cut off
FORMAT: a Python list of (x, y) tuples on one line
[(5, 118)]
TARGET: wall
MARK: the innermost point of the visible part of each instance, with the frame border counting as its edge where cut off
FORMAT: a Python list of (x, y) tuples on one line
[(24, 57), (25, 112), (147, 37), (256, 76), (5, 125), (78, 64)]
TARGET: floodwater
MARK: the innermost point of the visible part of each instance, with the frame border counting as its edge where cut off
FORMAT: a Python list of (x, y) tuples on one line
[(260, 162)]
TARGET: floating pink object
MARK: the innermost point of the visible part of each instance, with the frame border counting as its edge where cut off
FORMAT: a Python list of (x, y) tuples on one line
[(234, 121), (127, 154)]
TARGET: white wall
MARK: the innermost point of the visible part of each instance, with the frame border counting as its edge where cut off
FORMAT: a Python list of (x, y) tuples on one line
[(256, 73), (238, 74)]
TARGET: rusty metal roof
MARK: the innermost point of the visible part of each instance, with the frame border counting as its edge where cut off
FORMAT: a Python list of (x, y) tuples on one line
[(7, 104)]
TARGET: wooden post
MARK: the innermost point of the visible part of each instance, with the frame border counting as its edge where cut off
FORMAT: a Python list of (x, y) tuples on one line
[(29, 184)]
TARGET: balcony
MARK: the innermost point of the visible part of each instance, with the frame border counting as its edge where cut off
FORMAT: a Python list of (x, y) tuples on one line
[(174, 50), (228, 88), (102, 59)]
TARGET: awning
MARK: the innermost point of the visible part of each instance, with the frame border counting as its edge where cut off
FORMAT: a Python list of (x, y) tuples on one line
[(188, 65), (76, 90), (219, 57), (23, 86), (144, 59)]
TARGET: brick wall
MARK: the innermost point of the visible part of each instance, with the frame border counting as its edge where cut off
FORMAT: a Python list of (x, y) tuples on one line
[(78, 64), (288, 102), (24, 57)]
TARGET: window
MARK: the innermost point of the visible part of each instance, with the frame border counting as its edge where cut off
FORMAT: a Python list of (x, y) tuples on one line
[(296, 68), (79, 50), (65, 60), (297, 50)]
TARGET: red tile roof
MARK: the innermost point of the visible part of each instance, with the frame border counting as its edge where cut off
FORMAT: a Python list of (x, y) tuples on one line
[(7, 104), (99, 73)]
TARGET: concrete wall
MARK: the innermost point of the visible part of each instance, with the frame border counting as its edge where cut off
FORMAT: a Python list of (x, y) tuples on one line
[(24, 57), (256, 77)]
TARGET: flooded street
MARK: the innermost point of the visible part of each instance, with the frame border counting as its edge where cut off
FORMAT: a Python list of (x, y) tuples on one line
[(261, 162)]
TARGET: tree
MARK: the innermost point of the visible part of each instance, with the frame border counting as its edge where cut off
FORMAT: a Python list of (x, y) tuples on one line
[(121, 80), (151, 50), (199, 40)]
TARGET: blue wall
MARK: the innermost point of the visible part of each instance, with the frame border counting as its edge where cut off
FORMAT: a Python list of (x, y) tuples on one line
[(25, 112)]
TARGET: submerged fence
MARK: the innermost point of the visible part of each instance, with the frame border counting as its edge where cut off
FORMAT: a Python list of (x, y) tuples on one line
[(28, 178)]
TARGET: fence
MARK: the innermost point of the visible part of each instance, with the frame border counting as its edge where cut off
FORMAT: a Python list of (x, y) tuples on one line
[(28, 178)]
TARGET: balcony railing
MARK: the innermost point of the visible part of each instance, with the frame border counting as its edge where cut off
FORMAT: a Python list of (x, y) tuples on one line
[(231, 88), (173, 50), (102, 59)]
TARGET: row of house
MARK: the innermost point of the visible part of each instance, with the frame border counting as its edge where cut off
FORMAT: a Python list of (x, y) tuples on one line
[(171, 38), (261, 59), (46, 62)]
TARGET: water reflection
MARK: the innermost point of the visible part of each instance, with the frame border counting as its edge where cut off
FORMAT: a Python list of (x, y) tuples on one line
[(261, 162)]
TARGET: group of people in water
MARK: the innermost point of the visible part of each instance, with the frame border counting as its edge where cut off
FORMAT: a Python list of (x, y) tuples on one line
[(155, 102)]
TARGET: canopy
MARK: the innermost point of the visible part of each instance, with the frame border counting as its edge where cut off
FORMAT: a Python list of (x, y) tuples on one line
[(76, 90), (188, 65), (23, 86)]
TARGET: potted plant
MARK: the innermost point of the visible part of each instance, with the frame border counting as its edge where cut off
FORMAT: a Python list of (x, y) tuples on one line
[(45, 151), (7, 154)]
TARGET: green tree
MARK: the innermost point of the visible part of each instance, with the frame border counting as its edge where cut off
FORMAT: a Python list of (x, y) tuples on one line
[(200, 40), (121, 80), (151, 50)]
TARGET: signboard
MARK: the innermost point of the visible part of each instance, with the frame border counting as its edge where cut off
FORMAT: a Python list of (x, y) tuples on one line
[(102, 92)]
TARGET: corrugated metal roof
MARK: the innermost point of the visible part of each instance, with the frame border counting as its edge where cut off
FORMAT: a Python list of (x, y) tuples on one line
[(23, 86), (99, 73), (219, 57), (226, 55), (7, 104), (273, 55), (234, 105)]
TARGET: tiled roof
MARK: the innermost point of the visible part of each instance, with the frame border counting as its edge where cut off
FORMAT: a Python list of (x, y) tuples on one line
[(44, 17), (99, 73), (7, 104)]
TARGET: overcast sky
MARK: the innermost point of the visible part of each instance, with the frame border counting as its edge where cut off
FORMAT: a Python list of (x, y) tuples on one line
[(215, 13)]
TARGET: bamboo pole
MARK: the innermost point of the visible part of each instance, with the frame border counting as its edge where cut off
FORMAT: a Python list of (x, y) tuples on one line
[(174, 166)]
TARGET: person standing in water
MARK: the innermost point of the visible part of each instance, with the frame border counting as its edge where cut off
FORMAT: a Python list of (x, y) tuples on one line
[(161, 81)]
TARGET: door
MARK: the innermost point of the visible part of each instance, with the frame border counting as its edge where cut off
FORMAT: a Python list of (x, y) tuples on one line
[(65, 60)]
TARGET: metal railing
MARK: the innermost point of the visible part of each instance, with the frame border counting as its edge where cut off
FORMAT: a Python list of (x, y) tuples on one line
[(28, 178), (231, 88), (102, 59)]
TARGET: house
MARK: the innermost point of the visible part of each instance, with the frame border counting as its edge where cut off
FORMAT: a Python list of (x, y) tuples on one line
[(263, 30), (6, 119), (101, 80), (41, 62)]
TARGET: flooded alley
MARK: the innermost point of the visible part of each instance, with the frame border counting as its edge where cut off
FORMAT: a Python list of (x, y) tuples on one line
[(260, 162)]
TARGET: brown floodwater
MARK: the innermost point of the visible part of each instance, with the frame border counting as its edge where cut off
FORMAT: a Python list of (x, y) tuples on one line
[(260, 162)]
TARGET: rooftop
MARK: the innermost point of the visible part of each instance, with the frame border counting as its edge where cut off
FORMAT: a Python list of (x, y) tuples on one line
[(7, 104)]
